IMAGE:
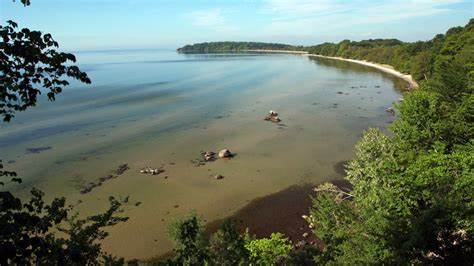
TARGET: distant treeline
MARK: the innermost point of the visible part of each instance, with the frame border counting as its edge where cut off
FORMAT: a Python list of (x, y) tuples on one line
[(216, 47), (416, 58)]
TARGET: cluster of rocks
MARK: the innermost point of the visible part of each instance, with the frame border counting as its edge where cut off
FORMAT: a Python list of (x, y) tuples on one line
[(210, 156), (91, 185), (273, 117), (152, 171)]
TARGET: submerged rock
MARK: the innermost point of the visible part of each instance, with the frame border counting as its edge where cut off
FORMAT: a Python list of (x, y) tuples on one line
[(116, 173), (37, 149), (121, 169)]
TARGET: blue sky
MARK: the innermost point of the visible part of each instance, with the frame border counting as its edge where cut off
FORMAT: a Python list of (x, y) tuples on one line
[(117, 24)]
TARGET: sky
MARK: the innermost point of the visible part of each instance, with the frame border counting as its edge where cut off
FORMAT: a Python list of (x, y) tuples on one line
[(169, 24)]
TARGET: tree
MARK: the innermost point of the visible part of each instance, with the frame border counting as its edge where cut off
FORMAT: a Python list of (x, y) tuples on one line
[(411, 201), (29, 63), (269, 251), (26, 235), (191, 245), (227, 246)]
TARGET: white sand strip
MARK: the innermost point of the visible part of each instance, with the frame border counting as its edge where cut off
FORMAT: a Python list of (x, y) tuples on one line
[(385, 68)]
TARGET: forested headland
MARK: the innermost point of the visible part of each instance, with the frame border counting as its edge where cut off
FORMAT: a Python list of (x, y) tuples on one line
[(218, 47)]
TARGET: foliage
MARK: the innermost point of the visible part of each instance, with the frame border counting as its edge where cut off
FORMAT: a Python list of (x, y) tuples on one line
[(30, 63), (411, 201), (216, 47), (30, 231), (227, 246), (303, 256), (27, 232), (191, 245), (269, 251)]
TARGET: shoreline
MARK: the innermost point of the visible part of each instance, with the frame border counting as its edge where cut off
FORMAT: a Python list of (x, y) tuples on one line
[(382, 67), (276, 51), (385, 68)]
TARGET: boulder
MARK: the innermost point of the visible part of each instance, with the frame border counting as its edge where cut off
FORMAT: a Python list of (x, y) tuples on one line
[(272, 116), (275, 119), (218, 177), (390, 110), (209, 156), (225, 153)]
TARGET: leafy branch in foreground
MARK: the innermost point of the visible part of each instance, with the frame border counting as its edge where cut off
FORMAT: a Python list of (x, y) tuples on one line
[(30, 63), (27, 232), (30, 231)]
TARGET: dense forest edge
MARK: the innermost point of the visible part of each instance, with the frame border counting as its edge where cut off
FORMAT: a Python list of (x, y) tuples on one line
[(410, 200)]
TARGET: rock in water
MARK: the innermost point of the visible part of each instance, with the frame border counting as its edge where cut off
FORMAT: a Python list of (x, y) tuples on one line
[(225, 153), (275, 119), (390, 110), (272, 113), (272, 116), (152, 171), (208, 156)]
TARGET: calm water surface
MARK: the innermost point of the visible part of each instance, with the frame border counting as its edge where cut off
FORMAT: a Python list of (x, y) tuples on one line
[(160, 109)]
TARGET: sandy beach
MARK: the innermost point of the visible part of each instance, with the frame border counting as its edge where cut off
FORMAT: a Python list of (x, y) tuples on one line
[(385, 68)]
